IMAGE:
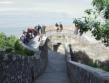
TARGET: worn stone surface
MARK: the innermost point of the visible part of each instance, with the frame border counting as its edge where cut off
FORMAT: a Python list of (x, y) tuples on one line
[(25, 69), (56, 70), (22, 69), (80, 73)]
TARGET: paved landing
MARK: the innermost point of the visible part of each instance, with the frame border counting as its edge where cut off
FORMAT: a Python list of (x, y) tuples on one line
[(34, 43), (56, 70)]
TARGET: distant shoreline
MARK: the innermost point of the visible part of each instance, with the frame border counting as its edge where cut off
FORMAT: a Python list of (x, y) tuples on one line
[(16, 31)]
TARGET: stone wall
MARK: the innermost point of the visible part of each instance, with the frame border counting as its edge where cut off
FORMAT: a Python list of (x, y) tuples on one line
[(23, 69), (80, 73)]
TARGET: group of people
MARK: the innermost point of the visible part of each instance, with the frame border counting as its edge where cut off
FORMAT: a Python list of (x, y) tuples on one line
[(38, 30), (59, 27)]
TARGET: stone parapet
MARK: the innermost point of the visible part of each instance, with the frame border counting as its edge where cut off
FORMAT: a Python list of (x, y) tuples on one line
[(23, 69), (80, 73)]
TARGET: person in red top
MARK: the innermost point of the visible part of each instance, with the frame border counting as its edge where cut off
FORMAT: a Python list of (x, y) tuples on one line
[(75, 30), (32, 32)]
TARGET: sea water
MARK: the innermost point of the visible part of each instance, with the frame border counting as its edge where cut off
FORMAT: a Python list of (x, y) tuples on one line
[(13, 24), (18, 15)]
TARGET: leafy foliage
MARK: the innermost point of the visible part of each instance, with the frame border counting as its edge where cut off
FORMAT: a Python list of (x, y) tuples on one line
[(99, 30), (99, 4), (20, 48), (11, 45), (83, 27), (88, 11), (106, 34), (102, 6), (6, 42)]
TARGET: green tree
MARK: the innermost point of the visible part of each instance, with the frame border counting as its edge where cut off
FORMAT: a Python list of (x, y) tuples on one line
[(3, 41), (102, 6), (99, 30), (7, 42), (11, 45)]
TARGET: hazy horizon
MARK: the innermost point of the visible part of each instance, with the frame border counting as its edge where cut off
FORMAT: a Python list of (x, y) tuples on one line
[(16, 15)]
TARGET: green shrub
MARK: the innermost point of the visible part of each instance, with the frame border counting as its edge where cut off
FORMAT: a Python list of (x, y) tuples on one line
[(11, 41), (19, 48), (95, 64), (106, 68), (28, 52), (3, 41), (7, 43), (11, 45)]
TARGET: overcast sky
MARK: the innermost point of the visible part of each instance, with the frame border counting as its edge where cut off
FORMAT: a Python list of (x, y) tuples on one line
[(70, 7), (16, 15)]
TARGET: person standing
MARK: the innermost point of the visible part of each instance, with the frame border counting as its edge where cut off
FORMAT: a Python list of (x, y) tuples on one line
[(22, 38), (39, 29), (57, 27), (61, 27), (36, 30), (32, 32), (28, 36), (75, 30)]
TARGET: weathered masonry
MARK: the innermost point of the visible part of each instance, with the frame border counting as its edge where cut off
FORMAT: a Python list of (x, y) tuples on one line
[(80, 73), (23, 69)]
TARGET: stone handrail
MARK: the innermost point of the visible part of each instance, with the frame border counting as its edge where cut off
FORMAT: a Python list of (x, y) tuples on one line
[(27, 47), (23, 69), (80, 73), (64, 33), (52, 30), (42, 42)]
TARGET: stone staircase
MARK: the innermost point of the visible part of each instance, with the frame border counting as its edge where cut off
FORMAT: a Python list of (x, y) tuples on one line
[(56, 70)]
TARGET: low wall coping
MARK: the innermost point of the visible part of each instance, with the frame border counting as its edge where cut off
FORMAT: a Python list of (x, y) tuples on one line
[(95, 71), (92, 70)]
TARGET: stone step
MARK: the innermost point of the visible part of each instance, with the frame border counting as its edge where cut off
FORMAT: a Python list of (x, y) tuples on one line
[(52, 81), (58, 77), (56, 70)]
